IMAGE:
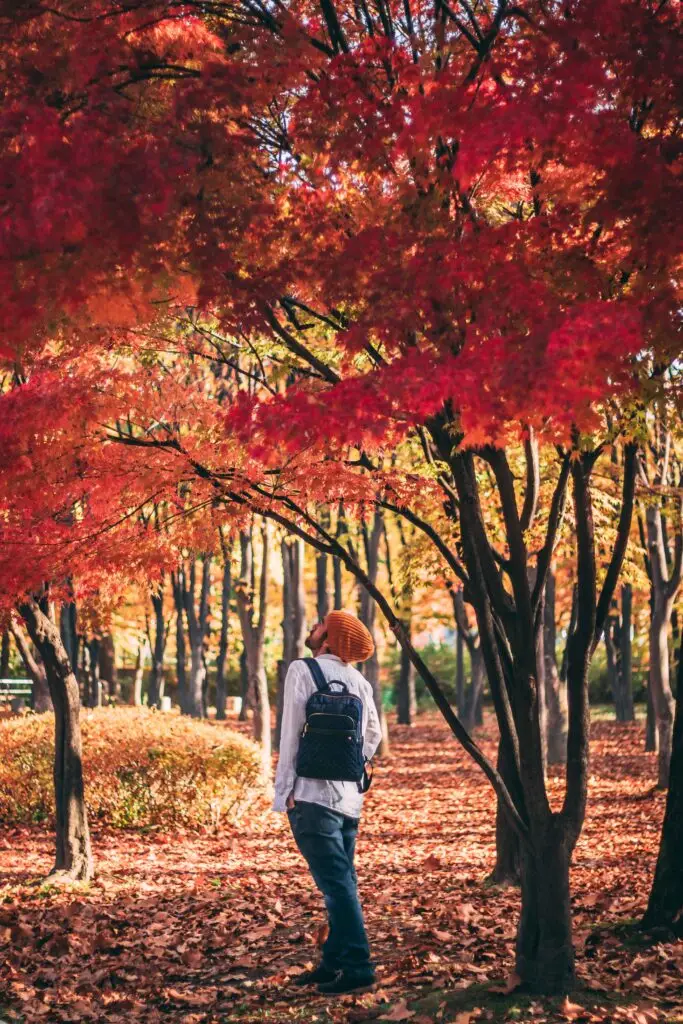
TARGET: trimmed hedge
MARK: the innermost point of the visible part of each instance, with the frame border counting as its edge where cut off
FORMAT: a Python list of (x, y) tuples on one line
[(141, 768)]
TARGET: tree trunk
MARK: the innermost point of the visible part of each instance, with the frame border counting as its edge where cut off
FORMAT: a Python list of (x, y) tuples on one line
[(470, 700), (197, 629), (665, 581), (226, 591), (475, 693), (662, 698), (157, 647), (651, 738), (460, 673), (244, 685), (368, 612), (555, 691), (73, 857), (544, 950), (293, 619), (337, 573), (665, 906), (68, 628), (178, 585), (4, 654), (195, 693), (626, 676), (107, 666), (406, 704), (506, 870), (253, 633), (322, 588), (93, 681), (139, 672), (40, 697), (617, 638)]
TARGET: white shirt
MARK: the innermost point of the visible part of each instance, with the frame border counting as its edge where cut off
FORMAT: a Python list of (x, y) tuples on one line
[(342, 797)]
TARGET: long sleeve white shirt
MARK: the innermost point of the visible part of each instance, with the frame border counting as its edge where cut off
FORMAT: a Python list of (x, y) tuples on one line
[(342, 797)]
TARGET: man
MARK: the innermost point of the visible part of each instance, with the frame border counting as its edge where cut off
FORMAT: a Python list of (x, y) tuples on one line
[(323, 815)]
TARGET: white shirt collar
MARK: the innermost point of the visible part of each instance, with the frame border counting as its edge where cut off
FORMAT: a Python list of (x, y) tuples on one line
[(332, 657)]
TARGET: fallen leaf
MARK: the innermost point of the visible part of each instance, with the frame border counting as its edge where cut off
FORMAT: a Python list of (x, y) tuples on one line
[(399, 1012), (431, 863), (512, 983), (571, 1010)]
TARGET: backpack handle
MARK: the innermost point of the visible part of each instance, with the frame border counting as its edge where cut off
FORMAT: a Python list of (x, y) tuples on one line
[(319, 677)]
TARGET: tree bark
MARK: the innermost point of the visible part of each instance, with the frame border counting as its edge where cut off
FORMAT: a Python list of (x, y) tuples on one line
[(244, 685), (226, 594), (321, 560), (178, 586), (368, 614), (544, 950), (665, 906), (107, 666), (459, 673), (507, 868), (651, 738), (40, 698), (470, 710), (555, 691), (68, 628), (665, 582), (73, 857), (618, 647), (4, 654), (626, 678), (406, 704), (93, 681), (157, 646), (197, 628), (293, 619), (337, 575), (139, 673), (253, 633)]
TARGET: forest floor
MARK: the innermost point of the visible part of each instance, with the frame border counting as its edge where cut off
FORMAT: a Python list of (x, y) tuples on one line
[(208, 927)]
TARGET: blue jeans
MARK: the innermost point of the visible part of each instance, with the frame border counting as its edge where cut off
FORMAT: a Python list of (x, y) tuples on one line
[(327, 841)]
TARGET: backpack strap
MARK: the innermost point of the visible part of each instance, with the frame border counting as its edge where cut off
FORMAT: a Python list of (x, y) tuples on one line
[(319, 677)]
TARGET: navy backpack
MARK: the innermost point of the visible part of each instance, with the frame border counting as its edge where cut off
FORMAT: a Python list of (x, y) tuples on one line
[(331, 745)]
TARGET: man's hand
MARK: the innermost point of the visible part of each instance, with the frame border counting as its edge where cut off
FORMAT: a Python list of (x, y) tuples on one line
[(289, 804)]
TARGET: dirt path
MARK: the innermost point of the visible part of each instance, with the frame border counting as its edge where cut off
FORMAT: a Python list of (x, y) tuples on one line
[(201, 927)]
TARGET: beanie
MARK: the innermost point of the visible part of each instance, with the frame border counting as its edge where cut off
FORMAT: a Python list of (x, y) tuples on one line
[(347, 637)]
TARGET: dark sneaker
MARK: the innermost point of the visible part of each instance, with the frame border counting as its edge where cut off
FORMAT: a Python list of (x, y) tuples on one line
[(318, 974), (347, 983)]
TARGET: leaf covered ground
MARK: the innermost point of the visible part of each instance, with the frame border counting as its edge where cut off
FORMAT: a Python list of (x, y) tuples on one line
[(199, 927)]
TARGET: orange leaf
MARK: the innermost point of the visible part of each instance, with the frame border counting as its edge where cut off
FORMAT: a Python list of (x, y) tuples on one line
[(399, 1012)]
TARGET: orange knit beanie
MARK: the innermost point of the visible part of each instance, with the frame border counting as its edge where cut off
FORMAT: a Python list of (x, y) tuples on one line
[(347, 637)]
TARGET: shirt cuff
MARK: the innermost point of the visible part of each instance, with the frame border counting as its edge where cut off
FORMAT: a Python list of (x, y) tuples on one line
[(282, 791)]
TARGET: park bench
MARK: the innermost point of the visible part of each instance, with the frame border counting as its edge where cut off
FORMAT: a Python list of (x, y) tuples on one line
[(16, 690)]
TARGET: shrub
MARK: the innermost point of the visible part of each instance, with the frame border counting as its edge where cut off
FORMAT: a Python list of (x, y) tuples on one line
[(141, 769)]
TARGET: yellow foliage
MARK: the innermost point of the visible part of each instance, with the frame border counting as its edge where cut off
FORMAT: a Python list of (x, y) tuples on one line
[(142, 769)]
